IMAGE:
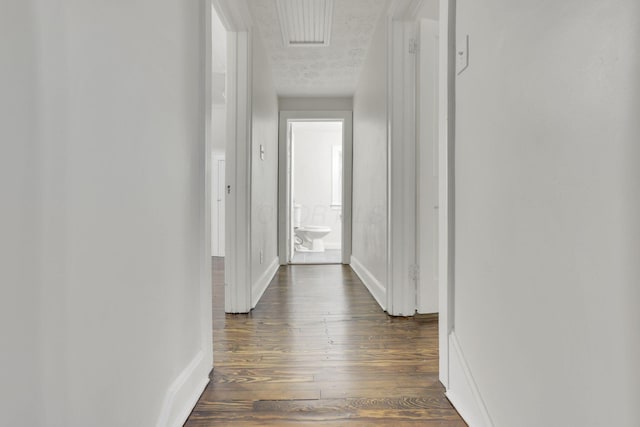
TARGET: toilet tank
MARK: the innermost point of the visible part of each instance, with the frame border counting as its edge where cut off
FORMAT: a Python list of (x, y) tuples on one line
[(297, 214)]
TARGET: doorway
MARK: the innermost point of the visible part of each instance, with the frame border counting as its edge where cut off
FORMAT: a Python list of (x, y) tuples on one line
[(315, 187), (316, 192)]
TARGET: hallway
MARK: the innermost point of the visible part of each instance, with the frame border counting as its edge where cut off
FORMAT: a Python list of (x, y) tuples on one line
[(317, 350)]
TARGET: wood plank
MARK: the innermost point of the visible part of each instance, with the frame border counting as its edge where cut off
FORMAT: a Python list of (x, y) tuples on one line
[(318, 351)]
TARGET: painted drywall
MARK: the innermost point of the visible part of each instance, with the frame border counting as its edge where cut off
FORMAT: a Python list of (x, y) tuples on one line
[(547, 203), (21, 400), (315, 104), (218, 202), (219, 129), (218, 44), (105, 145), (430, 9), (264, 172), (313, 145), (370, 167), (218, 61), (427, 170), (219, 123), (218, 82)]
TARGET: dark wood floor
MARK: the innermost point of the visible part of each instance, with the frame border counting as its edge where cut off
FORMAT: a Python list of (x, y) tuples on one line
[(317, 350)]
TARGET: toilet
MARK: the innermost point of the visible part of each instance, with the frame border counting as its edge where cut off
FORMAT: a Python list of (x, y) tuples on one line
[(308, 238)]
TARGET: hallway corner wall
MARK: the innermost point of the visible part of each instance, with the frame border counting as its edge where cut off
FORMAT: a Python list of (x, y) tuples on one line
[(105, 154), (547, 200), (370, 205), (264, 173)]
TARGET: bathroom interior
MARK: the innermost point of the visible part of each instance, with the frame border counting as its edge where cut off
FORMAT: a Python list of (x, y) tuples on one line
[(316, 190)]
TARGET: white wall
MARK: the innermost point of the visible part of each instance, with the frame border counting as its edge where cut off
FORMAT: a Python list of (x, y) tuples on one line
[(219, 135), (427, 199), (21, 401), (218, 202), (218, 44), (369, 254), (315, 104), (218, 142), (264, 173), (218, 124), (547, 210), (312, 176), (105, 145), (430, 9)]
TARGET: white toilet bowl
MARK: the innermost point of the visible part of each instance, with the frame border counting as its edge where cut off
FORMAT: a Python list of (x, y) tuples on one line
[(309, 238)]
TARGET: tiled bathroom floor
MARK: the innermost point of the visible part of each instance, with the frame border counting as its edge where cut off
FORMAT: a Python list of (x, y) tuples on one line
[(329, 256)]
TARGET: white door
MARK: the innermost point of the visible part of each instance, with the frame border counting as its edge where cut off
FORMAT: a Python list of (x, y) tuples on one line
[(428, 87), (217, 210)]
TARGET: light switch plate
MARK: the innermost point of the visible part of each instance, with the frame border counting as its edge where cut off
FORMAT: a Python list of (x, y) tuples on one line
[(462, 55)]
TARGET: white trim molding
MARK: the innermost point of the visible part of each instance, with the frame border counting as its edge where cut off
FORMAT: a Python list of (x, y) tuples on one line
[(206, 289), (262, 283), (238, 174), (184, 392), (464, 393), (374, 286), (427, 216), (446, 197), (236, 18), (402, 269)]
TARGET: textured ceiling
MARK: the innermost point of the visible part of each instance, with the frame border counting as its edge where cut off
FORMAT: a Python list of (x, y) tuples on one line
[(320, 71)]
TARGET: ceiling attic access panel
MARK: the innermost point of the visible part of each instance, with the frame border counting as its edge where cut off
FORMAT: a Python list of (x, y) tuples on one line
[(305, 23)]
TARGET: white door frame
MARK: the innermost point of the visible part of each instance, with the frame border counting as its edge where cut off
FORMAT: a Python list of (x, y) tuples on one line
[(284, 185), (427, 168), (446, 183), (402, 263), (401, 292), (236, 18), (206, 105)]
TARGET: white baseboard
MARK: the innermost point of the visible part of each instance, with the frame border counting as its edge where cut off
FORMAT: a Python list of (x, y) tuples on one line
[(463, 391), (376, 288), (184, 392), (260, 285)]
